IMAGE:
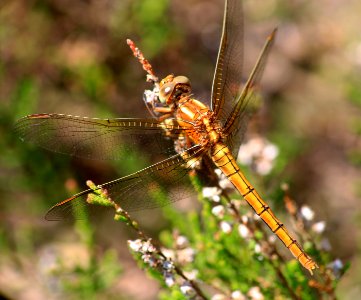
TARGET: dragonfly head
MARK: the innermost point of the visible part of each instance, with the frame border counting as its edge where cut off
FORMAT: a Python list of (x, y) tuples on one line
[(171, 88)]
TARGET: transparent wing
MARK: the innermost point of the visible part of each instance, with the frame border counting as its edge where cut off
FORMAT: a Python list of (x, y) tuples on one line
[(236, 122), (95, 138), (228, 73), (154, 186)]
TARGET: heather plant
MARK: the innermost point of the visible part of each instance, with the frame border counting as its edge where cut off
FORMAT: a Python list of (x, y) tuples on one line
[(72, 59)]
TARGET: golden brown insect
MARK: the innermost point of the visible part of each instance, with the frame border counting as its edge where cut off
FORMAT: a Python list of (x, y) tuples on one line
[(199, 131)]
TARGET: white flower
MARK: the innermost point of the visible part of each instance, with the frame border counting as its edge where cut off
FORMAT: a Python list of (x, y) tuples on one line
[(187, 289), (150, 260), (255, 293), (185, 255), (218, 211), (325, 244), (272, 239), (135, 245), (169, 279), (223, 182), (212, 193), (168, 265), (319, 227), (244, 219), (336, 266), (245, 155), (181, 241), (256, 217), (218, 172), (148, 246), (258, 153), (307, 213), (263, 166), (243, 231), (237, 295), (270, 151), (237, 203), (257, 248), (191, 275), (226, 227), (168, 253)]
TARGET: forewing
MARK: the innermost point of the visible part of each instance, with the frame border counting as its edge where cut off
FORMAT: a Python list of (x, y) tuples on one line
[(95, 138), (154, 186), (228, 72), (236, 122)]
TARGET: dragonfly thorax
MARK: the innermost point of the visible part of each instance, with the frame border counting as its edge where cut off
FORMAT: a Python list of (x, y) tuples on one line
[(206, 130), (173, 88)]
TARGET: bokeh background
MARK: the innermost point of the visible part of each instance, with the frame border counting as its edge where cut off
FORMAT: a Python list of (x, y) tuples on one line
[(71, 57)]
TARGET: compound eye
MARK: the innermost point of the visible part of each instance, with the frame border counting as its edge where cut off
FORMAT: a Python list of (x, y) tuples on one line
[(166, 91), (182, 80)]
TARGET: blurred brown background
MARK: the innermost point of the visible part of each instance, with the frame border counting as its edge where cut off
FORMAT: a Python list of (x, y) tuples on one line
[(71, 57)]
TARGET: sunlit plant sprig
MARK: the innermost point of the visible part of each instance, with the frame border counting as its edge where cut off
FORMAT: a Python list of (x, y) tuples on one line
[(226, 246), (230, 214), (146, 250), (311, 231), (228, 250), (232, 217)]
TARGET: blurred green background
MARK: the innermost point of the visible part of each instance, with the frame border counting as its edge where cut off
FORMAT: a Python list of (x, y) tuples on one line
[(71, 57)]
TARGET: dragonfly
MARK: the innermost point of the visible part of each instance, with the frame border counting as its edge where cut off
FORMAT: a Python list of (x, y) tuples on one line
[(181, 126)]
